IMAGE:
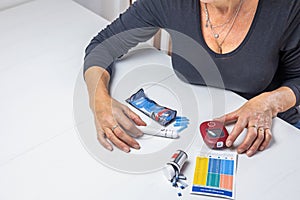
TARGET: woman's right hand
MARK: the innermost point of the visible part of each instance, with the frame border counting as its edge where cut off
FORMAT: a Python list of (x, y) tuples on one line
[(114, 121)]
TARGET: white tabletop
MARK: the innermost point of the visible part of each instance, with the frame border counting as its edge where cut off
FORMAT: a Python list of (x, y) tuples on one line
[(41, 154)]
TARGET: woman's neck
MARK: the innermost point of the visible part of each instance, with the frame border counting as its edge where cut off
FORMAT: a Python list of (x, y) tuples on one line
[(223, 7)]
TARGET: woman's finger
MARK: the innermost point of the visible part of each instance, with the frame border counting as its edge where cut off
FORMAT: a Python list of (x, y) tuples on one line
[(257, 143), (125, 137), (129, 126), (249, 139), (116, 141), (228, 118), (101, 136), (133, 116), (236, 131), (267, 123), (268, 138), (103, 141)]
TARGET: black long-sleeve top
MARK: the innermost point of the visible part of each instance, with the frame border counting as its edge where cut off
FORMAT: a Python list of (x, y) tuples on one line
[(268, 57)]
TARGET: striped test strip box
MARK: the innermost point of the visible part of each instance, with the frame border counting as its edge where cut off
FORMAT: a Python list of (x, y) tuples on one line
[(214, 174)]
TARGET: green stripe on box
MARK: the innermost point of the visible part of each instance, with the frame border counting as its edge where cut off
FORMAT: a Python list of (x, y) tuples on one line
[(213, 180)]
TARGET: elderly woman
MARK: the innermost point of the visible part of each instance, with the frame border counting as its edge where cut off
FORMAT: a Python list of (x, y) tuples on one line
[(255, 45)]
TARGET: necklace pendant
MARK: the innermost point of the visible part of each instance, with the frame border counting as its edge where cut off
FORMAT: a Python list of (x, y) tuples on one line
[(216, 35)]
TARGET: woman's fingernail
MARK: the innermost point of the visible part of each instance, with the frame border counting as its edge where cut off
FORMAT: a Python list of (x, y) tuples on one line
[(109, 148), (249, 153), (139, 135), (261, 148), (228, 143), (136, 146), (126, 149), (240, 151)]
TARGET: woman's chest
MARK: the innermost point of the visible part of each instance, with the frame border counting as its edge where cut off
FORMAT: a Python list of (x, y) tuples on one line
[(249, 68)]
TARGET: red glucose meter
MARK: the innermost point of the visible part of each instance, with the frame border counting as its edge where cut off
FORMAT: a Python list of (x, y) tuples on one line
[(214, 134)]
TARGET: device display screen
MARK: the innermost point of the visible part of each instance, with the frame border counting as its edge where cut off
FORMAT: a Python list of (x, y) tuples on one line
[(215, 133)]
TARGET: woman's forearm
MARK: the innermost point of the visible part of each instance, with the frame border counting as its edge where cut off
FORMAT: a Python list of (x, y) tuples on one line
[(97, 80)]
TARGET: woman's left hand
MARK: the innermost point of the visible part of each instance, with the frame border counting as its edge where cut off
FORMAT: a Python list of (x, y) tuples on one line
[(255, 115)]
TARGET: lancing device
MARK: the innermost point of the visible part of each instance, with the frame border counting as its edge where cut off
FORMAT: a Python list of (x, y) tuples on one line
[(161, 132)]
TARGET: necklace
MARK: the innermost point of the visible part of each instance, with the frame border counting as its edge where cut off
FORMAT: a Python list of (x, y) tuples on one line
[(208, 22), (224, 25)]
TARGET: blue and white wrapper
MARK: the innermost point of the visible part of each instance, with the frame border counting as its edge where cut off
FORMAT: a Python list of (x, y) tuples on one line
[(161, 114)]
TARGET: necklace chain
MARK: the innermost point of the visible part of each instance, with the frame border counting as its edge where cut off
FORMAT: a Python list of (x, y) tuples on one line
[(208, 22), (212, 27)]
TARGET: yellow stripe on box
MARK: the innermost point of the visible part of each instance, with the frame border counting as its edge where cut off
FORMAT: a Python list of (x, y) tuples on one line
[(201, 169)]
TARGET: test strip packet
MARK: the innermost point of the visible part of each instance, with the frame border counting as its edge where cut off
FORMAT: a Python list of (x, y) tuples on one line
[(161, 114)]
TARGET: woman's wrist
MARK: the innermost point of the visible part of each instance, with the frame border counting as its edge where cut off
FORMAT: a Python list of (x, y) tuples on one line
[(271, 104), (97, 80), (279, 100)]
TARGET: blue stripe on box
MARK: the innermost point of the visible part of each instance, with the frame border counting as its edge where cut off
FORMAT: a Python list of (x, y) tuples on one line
[(227, 167), (214, 165), (212, 191)]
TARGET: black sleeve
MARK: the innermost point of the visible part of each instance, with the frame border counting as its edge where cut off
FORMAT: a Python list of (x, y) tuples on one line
[(290, 53), (139, 23)]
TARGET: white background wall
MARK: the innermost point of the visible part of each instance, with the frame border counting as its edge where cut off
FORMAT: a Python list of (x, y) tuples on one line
[(4, 4), (109, 9)]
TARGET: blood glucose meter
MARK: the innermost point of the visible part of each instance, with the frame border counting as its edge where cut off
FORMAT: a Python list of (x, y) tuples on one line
[(214, 134)]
